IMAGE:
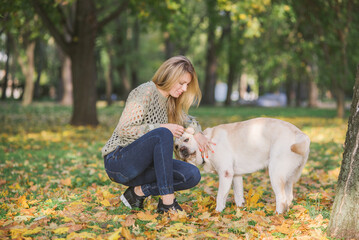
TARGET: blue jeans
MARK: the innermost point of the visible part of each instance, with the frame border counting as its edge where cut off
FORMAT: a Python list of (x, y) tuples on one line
[(148, 162)]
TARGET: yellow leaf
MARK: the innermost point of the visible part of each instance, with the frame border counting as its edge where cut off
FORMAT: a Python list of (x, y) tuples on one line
[(106, 203), (61, 230), (17, 232), (22, 202), (32, 231), (252, 198), (82, 235), (126, 233), (107, 195), (116, 235)]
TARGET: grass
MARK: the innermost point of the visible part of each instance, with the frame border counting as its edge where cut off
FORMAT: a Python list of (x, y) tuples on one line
[(52, 175)]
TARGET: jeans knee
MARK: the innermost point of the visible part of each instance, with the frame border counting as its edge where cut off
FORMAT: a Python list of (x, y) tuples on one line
[(194, 176), (164, 133)]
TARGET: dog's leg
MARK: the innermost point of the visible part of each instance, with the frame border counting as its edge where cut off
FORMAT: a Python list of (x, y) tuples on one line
[(238, 190), (278, 185), (289, 192), (225, 183)]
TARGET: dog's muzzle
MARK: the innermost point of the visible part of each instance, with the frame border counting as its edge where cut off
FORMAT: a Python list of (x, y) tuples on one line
[(184, 152)]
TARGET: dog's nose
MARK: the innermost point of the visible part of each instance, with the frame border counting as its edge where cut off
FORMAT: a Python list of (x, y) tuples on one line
[(184, 152)]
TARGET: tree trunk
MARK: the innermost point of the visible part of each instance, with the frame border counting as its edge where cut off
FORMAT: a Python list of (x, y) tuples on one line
[(83, 26), (135, 47), (340, 99), (83, 66), (121, 41), (211, 58), (28, 70), (39, 65), (109, 78), (313, 89), (231, 62), (66, 80), (344, 221), (6, 77), (169, 46), (313, 94)]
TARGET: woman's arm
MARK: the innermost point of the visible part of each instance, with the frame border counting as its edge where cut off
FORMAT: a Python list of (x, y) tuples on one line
[(131, 124)]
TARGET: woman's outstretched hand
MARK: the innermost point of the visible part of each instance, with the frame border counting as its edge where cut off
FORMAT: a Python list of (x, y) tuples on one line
[(177, 130), (204, 144)]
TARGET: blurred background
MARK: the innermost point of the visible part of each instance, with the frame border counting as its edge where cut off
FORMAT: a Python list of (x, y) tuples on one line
[(86, 53)]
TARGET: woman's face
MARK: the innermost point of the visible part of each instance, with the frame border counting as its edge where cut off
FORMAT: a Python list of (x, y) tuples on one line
[(181, 85)]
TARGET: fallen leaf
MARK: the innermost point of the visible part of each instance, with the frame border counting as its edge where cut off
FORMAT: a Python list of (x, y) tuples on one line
[(146, 216)]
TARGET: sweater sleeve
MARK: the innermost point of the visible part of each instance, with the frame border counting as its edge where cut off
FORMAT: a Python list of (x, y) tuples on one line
[(191, 121), (131, 124)]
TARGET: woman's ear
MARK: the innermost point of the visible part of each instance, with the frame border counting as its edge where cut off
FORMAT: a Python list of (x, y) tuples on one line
[(190, 130)]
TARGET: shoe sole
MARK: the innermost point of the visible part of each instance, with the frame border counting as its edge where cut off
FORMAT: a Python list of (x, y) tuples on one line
[(124, 200)]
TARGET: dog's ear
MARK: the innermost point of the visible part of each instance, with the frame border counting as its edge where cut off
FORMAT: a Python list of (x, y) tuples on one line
[(190, 130)]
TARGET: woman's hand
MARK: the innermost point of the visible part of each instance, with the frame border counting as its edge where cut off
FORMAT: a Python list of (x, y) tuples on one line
[(177, 130), (204, 144)]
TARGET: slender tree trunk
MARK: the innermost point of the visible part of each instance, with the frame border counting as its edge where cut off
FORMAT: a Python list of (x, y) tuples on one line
[(6, 77), (109, 76), (313, 89), (344, 221), (121, 40), (136, 43), (289, 87), (39, 65), (211, 58), (313, 94), (169, 46), (340, 99), (66, 80), (28, 70), (83, 66), (231, 62)]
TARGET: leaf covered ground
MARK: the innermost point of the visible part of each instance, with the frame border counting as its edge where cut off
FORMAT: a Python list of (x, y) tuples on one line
[(53, 184)]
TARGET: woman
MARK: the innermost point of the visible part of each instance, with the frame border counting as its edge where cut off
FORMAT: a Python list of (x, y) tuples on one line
[(139, 152)]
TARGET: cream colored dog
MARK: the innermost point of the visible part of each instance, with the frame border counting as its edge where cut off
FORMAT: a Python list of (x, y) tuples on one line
[(246, 147)]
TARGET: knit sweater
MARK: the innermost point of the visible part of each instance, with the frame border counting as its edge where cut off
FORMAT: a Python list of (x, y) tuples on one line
[(145, 110)]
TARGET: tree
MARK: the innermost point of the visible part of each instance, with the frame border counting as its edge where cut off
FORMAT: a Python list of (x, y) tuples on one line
[(76, 36), (344, 221)]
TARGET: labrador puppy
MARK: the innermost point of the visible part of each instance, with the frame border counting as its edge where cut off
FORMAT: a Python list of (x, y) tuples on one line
[(246, 147)]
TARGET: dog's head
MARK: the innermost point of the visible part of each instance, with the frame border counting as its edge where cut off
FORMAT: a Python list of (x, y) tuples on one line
[(186, 149)]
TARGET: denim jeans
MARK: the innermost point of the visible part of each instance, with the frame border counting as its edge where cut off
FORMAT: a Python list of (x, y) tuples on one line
[(148, 162)]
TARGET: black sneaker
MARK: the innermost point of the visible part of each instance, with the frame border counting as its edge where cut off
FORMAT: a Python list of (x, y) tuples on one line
[(131, 199), (162, 208)]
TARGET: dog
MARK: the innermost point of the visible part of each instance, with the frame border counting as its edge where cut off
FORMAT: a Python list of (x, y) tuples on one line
[(246, 147)]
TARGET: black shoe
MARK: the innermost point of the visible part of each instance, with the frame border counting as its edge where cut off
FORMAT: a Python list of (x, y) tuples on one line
[(162, 208), (131, 199)]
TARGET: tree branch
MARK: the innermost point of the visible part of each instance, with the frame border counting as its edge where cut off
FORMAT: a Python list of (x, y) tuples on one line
[(66, 22), (59, 38), (113, 15)]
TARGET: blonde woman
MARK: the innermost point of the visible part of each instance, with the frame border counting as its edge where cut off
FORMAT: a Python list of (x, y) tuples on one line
[(139, 152)]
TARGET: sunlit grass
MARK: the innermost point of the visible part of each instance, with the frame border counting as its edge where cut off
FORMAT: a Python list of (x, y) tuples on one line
[(57, 166)]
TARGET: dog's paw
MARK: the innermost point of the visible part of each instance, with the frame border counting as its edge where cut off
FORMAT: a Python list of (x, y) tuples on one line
[(219, 208), (240, 203)]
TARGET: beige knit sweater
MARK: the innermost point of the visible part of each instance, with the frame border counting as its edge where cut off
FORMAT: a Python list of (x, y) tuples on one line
[(144, 111)]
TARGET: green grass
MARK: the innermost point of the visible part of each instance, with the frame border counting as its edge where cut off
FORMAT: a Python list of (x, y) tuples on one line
[(55, 166)]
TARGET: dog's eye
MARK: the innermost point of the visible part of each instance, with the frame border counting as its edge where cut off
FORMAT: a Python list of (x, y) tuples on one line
[(186, 140)]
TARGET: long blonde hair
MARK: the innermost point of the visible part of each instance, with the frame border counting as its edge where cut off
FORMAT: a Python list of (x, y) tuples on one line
[(167, 75)]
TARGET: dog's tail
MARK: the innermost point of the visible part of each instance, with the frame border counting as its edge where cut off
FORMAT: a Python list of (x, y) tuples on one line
[(301, 145)]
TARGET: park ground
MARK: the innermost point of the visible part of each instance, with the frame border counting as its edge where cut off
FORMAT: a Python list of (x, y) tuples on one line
[(53, 184)]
